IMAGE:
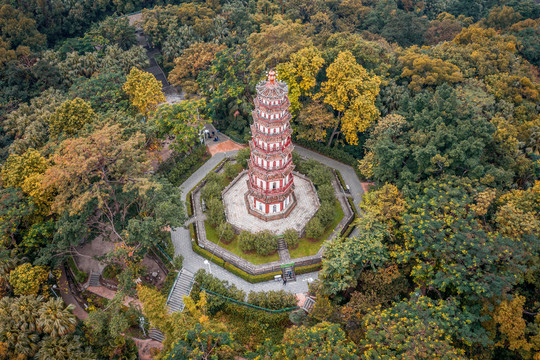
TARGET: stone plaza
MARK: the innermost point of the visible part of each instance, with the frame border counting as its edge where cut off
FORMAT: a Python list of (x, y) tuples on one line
[(238, 216)]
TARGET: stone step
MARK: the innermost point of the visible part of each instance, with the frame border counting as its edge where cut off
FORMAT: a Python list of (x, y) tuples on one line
[(286, 271), (182, 288), (156, 335), (308, 304), (94, 279)]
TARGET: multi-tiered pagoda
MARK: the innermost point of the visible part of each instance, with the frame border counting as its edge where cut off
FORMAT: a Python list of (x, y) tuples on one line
[(270, 186)]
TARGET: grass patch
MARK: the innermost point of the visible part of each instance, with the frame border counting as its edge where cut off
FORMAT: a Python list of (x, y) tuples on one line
[(234, 247), (307, 247)]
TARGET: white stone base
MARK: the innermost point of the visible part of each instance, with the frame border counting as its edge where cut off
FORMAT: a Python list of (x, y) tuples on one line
[(238, 216)]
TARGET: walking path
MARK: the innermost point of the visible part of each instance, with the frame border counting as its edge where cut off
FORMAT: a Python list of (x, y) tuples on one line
[(181, 237), (67, 296)]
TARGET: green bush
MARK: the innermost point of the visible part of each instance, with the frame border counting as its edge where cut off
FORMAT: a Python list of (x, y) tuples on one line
[(178, 261), (242, 157), (226, 232), (307, 269), (248, 277), (333, 152), (210, 282), (326, 193), (168, 282), (208, 255), (325, 214), (246, 241), (192, 231), (178, 168), (320, 175), (216, 211), (80, 276), (232, 170), (111, 271), (291, 238), (274, 300), (212, 189), (314, 229), (265, 243)]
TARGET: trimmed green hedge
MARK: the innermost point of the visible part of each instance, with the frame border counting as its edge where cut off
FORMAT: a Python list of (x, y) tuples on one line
[(248, 277), (80, 276), (343, 185), (334, 153), (351, 202), (308, 268)]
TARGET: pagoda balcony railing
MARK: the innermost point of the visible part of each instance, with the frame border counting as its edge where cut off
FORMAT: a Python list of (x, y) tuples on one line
[(273, 170), (272, 107), (272, 137), (274, 151), (256, 116), (270, 192)]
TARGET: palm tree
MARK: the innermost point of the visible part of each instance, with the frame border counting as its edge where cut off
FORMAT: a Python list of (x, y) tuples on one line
[(55, 319), (63, 348)]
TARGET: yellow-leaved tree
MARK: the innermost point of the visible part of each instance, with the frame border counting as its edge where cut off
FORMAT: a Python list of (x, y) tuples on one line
[(351, 91), (71, 117), (300, 74), (26, 279), (144, 91)]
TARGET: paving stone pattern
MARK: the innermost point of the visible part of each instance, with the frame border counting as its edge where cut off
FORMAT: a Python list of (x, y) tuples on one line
[(307, 204)]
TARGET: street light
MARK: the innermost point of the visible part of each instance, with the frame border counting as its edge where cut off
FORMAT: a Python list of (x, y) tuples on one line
[(208, 263)]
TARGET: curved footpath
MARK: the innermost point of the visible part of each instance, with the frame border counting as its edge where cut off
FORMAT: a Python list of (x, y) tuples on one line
[(181, 237)]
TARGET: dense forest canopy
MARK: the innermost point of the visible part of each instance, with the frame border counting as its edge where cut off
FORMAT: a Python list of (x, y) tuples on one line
[(434, 102)]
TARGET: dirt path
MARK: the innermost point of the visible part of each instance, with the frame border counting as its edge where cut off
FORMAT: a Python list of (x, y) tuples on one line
[(225, 146), (68, 297), (109, 294)]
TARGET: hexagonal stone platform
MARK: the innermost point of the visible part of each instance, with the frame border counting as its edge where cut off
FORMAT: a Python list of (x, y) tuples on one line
[(238, 216)]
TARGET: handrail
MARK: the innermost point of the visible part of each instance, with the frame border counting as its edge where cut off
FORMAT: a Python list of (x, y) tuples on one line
[(249, 305), (253, 146), (277, 191), (273, 170)]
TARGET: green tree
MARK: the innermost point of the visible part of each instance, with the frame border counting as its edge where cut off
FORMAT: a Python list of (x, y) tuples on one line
[(346, 258), (351, 91), (181, 120)]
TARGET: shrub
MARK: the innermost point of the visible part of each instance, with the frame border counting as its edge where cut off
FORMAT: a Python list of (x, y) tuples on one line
[(178, 261), (291, 238), (211, 190), (178, 168), (80, 276), (208, 281), (265, 243), (231, 170), (325, 213), (326, 193), (216, 211), (320, 175), (111, 271), (226, 232), (274, 300), (246, 241), (314, 229), (242, 157), (333, 152)]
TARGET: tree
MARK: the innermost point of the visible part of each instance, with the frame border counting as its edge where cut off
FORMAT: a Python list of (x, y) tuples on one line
[(291, 238), (314, 228), (324, 340), (143, 90), (300, 74), (246, 241), (314, 120), (26, 279), (226, 232), (385, 204), (181, 120), (117, 30), (427, 71), (419, 328), (19, 31), (102, 181), (346, 258), (274, 44), (71, 117), (193, 60), (452, 254), (26, 172), (351, 91), (265, 243)]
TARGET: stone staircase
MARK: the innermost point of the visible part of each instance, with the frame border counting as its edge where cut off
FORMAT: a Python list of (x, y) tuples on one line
[(156, 335), (94, 279), (289, 270), (308, 304), (181, 287)]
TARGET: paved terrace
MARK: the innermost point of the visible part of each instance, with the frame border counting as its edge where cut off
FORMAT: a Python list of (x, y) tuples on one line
[(181, 237)]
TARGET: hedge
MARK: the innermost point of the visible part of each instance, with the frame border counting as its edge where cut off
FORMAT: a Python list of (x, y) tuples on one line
[(334, 153), (308, 268), (351, 202), (208, 255), (80, 276), (343, 185), (248, 277)]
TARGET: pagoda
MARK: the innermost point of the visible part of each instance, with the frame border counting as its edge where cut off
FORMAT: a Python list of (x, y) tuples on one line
[(270, 192)]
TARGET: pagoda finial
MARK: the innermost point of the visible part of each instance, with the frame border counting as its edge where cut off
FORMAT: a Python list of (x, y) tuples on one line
[(271, 76)]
